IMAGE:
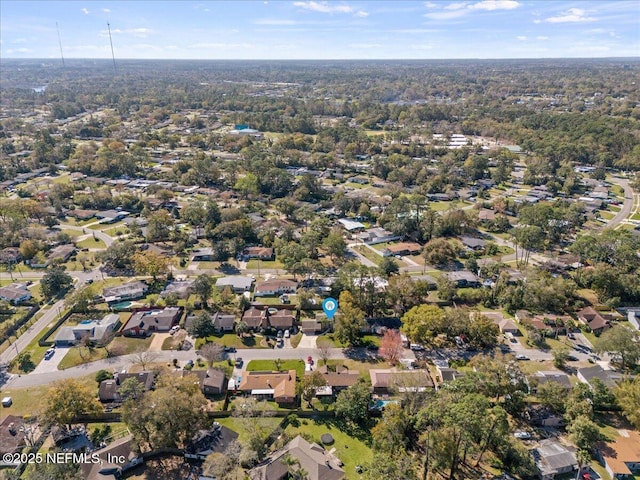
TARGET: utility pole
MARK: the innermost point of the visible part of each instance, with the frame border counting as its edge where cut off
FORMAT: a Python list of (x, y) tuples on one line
[(111, 42), (60, 43)]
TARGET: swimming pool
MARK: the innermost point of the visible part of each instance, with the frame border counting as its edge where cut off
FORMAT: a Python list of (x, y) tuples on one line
[(380, 404), (85, 322), (121, 305)]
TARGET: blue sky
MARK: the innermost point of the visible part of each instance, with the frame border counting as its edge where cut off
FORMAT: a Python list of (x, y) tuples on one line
[(314, 29)]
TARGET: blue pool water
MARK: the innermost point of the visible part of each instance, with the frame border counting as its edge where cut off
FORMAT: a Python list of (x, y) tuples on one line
[(380, 404), (121, 305), (85, 322)]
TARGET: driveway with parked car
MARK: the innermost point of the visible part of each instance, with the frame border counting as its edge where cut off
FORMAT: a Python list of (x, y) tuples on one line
[(51, 360)]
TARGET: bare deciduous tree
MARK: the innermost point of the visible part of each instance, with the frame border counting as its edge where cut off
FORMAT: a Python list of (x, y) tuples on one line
[(212, 352)]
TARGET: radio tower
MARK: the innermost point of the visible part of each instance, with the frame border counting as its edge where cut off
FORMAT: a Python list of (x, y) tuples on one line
[(111, 42), (60, 43)]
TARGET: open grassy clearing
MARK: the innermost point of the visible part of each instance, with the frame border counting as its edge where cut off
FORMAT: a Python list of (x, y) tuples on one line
[(123, 345), (270, 365)]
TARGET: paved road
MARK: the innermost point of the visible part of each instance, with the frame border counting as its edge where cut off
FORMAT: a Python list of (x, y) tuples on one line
[(125, 361), (97, 233), (627, 206)]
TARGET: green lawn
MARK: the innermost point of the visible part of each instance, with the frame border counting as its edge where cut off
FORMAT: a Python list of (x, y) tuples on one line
[(270, 365), (255, 264), (352, 451), (238, 425), (71, 233), (91, 243), (295, 340), (123, 345), (232, 340), (367, 253), (32, 400)]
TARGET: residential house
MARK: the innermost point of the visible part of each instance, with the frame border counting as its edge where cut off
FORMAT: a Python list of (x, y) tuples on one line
[(109, 390), (82, 215), (486, 215), (447, 374), (12, 434), (552, 458), (463, 279), (61, 253), (277, 386), (592, 318), (10, 255), (261, 253), (255, 318), (111, 216), (554, 376), (145, 322), (275, 287), (376, 235), (15, 293), (96, 331), (386, 380), (621, 457), (473, 244), (223, 322), (203, 255), (281, 319), (206, 442), (180, 288), (379, 325), (351, 225), (319, 463), (337, 380), (128, 291), (403, 248), (310, 327), (589, 374), (116, 458), (238, 283)]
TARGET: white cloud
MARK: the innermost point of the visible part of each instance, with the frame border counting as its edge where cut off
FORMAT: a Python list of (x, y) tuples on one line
[(326, 7), (222, 46), (456, 6), (85, 11), (136, 32), (106, 10), (19, 50), (542, 37), (573, 15), (364, 45), (491, 5), (274, 21), (460, 9), (323, 7), (522, 38), (19, 40)]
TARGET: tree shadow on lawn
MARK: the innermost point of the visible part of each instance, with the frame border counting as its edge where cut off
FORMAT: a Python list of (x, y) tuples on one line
[(361, 354), (362, 433)]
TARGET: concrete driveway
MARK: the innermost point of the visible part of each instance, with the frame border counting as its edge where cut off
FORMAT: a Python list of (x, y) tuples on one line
[(307, 341), (51, 365)]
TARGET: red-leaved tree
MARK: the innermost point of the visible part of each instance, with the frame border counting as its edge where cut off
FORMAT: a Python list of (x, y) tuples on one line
[(391, 346)]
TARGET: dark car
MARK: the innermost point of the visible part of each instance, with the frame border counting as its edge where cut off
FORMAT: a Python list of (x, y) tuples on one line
[(572, 358), (239, 362), (230, 349)]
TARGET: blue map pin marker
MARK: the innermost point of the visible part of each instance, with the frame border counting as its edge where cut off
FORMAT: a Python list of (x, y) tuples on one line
[(330, 306)]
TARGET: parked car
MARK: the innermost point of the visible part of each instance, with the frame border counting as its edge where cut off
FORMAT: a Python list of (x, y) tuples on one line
[(572, 358), (49, 353), (174, 329), (279, 334), (416, 347), (522, 435), (239, 362), (89, 281), (310, 360), (521, 357), (287, 334), (229, 349)]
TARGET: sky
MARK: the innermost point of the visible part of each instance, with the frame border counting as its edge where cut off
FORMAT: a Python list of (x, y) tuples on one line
[(315, 29)]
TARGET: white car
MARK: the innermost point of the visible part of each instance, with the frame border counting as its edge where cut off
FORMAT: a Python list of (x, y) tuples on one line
[(49, 353), (287, 334), (174, 329), (416, 347), (521, 357)]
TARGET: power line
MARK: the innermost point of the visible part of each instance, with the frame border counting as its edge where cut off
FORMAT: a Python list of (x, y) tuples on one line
[(60, 43), (111, 42)]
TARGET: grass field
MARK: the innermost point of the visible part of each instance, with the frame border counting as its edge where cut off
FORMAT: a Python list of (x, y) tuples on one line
[(255, 264), (91, 242), (368, 254), (239, 426), (232, 340), (352, 451), (32, 400), (122, 344), (270, 365)]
